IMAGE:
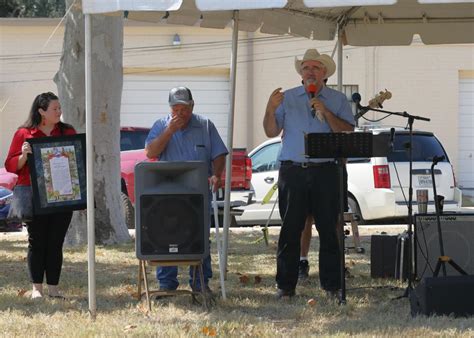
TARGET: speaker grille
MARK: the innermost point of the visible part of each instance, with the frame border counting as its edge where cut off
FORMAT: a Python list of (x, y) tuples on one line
[(458, 242), (172, 225)]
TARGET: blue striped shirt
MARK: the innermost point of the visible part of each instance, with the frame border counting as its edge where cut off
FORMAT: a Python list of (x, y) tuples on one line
[(294, 116)]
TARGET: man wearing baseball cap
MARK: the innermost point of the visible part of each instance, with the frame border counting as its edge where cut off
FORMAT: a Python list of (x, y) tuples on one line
[(184, 136), (307, 187)]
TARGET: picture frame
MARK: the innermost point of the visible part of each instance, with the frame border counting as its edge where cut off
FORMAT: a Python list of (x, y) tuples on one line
[(58, 173)]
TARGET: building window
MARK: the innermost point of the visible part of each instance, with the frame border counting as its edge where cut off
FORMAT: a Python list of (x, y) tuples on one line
[(348, 90)]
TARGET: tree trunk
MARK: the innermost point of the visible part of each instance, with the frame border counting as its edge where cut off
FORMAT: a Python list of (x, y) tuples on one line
[(107, 81)]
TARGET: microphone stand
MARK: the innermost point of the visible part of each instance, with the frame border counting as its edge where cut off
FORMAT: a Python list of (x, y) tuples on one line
[(362, 110), (411, 119)]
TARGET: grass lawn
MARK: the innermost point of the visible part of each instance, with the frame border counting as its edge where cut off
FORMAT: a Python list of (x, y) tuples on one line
[(250, 310)]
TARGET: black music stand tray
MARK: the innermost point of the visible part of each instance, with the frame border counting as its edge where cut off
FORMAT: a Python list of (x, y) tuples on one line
[(340, 146)]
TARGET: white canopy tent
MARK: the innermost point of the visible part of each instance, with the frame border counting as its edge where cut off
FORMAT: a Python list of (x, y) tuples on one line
[(356, 22), (364, 22)]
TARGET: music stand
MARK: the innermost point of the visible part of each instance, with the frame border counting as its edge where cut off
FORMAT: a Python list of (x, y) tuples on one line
[(340, 146)]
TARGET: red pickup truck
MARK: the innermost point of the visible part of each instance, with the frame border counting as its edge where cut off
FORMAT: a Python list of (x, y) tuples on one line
[(132, 141), (7, 180)]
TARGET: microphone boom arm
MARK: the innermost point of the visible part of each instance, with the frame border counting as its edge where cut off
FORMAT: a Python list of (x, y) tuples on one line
[(365, 109)]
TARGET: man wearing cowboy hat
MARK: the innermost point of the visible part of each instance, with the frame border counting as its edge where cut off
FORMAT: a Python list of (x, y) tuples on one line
[(307, 187)]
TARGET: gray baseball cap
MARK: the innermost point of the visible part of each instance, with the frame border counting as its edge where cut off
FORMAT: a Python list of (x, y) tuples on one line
[(180, 95)]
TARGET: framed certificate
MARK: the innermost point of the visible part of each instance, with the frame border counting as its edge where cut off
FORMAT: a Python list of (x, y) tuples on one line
[(58, 173)]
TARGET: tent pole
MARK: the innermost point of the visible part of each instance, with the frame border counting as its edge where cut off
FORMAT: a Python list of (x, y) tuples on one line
[(339, 59), (90, 170), (230, 138)]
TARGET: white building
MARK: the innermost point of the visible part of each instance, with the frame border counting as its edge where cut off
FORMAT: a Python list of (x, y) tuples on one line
[(436, 82)]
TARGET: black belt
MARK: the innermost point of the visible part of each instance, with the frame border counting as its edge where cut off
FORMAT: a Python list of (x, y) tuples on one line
[(308, 164)]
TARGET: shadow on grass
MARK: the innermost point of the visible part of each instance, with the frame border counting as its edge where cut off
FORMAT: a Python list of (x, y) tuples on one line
[(370, 309)]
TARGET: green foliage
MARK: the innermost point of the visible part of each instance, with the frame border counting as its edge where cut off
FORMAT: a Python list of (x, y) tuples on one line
[(32, 8)]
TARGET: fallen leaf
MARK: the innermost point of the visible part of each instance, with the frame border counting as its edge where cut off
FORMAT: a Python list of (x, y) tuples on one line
[(209, 331), (244, 279), (258, 279), (143, 308), (129, 327), (21, 292), (311, 302)]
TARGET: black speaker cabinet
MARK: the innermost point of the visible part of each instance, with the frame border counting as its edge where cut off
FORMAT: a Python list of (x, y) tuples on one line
[(443, 296), (172, 210), (458, 242), (386, 254)]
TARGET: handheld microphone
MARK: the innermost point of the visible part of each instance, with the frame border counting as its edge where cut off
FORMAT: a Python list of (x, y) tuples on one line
[(312, 91), (392, 136)]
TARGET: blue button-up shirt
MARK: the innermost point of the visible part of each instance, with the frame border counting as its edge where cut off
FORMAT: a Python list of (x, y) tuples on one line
[(294, 116), (199, 141)]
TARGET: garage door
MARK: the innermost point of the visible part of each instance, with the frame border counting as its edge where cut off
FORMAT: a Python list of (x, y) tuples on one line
[(466, 130), (145, 98)]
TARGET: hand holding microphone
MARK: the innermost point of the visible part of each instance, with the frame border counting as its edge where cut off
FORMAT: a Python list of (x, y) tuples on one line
[(312, 92)]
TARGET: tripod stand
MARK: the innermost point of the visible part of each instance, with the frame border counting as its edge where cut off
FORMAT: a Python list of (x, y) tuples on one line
[(442, 259)]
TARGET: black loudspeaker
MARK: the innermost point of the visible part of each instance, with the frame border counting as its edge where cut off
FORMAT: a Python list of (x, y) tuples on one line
[(172, 210), (386, 255), (443, 296), (458, 242)]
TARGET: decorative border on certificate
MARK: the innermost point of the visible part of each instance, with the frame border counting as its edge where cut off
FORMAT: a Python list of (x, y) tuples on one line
[(58, 173)]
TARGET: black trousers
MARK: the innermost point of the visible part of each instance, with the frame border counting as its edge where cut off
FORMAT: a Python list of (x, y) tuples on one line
[(46, 235), (305, 191)]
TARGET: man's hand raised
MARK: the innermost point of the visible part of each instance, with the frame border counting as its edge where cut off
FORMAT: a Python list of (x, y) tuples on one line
[(276, 97)]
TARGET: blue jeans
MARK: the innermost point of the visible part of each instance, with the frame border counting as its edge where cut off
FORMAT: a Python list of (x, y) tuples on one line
[(167, 275)]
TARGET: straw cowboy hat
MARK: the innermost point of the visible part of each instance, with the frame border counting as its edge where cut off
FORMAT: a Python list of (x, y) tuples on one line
[(313, 54)]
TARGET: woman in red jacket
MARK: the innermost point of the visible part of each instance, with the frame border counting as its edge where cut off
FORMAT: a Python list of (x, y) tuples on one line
[(46, 233)]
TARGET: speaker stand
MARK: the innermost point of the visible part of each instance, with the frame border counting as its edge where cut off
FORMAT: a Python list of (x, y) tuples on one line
[(207, 297), (442, 259)]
